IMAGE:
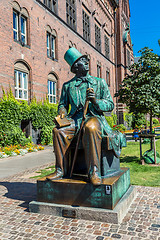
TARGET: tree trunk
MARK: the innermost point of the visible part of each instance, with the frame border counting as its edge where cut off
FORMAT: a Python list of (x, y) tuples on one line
[(151, 128)]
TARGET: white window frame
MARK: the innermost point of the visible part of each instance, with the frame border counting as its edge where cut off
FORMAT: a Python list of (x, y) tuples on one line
[(14, 29), (25, 27), (51, 44), (51, 94), (22, 88), (19, 18)]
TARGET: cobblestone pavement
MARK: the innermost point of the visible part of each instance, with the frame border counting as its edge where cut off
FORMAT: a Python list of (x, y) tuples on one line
[(141, 222)]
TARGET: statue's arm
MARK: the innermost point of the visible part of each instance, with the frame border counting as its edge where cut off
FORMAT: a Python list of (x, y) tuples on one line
[(105, 102), (64, 102)]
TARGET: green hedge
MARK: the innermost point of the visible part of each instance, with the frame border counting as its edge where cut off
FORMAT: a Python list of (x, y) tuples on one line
[(12, 112)]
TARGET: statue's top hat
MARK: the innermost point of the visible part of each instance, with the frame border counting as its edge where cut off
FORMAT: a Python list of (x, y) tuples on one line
[(72, 56)]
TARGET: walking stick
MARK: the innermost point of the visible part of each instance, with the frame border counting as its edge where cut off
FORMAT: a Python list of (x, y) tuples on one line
[(79, 135)]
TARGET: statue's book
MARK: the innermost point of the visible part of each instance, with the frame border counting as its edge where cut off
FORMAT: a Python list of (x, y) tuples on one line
[(62, 122)]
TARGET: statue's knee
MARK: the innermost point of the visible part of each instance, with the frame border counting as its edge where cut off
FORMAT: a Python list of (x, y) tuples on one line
[(55, 131), (90, 126)]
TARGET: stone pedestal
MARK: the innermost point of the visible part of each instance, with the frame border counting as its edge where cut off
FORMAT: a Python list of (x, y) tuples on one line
[(114, 216), (80, 193)]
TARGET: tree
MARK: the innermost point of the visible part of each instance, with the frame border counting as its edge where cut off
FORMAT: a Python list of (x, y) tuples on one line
[(159, 42), (140, 90)]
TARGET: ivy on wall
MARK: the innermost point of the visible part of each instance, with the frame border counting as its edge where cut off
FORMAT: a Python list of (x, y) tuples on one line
[(12, 112)]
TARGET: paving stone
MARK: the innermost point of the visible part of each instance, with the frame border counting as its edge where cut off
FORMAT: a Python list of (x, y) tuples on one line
[(153, 229), (116, 236), (141, 222), (99, 238), (156, 225)]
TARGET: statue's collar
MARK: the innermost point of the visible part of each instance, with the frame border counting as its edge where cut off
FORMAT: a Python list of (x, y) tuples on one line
[(87, 78)]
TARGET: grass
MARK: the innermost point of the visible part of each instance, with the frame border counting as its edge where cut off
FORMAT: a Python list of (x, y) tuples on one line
[(144, 175), (44, 172)]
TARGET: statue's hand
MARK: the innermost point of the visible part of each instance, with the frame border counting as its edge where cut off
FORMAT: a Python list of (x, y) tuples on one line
[(62, 113), (90, 95)]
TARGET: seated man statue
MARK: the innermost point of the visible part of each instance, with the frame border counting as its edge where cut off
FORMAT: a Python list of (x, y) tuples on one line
[(74, 95)]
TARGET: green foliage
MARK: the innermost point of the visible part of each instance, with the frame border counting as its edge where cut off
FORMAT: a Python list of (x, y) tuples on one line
[(155, 121), (138, 120), (128, 117), (44, 172), (46, 135), (140, 90), (112, 120), (119, 127), (42, 114), (12, 135), (12, 112)]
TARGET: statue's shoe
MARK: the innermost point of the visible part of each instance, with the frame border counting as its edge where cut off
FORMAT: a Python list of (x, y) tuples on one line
[(56, 175), (95, 179)]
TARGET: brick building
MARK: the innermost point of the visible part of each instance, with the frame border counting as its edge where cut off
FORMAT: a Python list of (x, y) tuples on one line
[(35, 34)]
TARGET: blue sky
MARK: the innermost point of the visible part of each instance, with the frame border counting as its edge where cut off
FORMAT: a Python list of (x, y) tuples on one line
[(145, 24)]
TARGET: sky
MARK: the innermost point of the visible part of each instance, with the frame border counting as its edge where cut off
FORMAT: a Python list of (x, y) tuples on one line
[(145, 25)]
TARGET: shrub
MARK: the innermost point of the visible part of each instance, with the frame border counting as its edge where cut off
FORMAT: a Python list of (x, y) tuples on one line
[(12, 135), (119, 127), (128, 117), (42, 113), (46, 135), (12, 112), (112, 120), (155, 121)]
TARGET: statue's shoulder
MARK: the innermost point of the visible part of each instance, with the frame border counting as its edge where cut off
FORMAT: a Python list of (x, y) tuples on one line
[(70, 82), (97, 79)]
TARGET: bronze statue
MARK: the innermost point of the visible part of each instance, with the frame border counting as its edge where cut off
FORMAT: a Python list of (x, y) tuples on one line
[(74, 95)]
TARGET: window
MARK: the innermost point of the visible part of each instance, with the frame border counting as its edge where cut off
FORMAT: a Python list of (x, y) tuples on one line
[(21, 77), (108, 78), (128, 58), (106, 42), (50, 46), (51, 91), (86, 26), (15, 26), (98, 71), (20, 18), (125, 7), (21, 85), (51, 43), (23, 30), (71, 13), (52, 86), (51, 4), (98, 38)]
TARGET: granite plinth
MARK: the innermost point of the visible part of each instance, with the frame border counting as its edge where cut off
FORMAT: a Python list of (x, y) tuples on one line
[(80, 193), (86, 213)]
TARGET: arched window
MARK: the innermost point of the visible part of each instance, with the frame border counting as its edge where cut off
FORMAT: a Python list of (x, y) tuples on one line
[(20, 24), (52, 86), (21, 76), (51, 4), (51, 43)]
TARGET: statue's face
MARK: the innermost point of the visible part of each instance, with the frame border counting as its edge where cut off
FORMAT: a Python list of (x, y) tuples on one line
[(82, 64)]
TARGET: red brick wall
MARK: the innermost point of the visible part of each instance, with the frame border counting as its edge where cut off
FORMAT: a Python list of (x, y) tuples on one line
[(36, 55)]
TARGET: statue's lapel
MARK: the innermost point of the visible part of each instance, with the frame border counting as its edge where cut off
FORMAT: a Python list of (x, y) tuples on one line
[(92, 83), (73, 92)]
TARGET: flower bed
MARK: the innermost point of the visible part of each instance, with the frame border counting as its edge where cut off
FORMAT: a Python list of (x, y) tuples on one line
[(15, 150)]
